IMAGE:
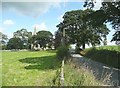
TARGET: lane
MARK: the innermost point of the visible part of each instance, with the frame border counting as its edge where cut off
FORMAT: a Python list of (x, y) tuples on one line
[(109, 75)]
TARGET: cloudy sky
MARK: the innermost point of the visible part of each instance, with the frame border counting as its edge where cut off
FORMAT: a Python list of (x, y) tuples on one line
[(43, 15)]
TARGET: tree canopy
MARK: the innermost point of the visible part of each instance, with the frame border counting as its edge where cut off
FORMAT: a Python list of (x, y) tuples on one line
[(57, 40), (24, 35), (109, 12), (79, 30), (15, 43), (3, 38), (43, 38)]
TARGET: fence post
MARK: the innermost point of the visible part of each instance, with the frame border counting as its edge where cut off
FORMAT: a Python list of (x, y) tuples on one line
[(62, 74)]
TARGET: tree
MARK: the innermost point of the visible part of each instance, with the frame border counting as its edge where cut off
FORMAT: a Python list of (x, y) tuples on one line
[(109, 12), (3, 40), (15, 43), (32, 42), (24, 35), (57, 40), (44, 38), (79, 31)]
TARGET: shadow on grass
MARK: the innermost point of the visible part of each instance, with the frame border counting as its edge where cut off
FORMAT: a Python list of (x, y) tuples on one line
[(42, 63)]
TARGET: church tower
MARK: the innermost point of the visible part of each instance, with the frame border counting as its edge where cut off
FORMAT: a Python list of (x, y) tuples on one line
[(34, 33)]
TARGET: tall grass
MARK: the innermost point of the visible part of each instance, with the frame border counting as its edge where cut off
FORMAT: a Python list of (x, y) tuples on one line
[(75, 76)]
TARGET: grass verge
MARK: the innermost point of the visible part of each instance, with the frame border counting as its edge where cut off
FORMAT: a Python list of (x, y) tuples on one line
[(79, 76), (109, 55)]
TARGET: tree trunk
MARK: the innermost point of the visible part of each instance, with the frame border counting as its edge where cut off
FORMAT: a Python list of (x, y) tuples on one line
[(83, 46)]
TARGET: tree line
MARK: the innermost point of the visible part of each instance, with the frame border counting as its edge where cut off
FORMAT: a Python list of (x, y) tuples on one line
[(22, 39), (81, 27)]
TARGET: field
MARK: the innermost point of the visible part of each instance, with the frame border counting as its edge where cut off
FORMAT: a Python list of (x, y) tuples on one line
[(41, 68), (29, 68)]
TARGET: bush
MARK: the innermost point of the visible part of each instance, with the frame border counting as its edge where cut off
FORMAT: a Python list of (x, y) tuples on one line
[(63, 52)]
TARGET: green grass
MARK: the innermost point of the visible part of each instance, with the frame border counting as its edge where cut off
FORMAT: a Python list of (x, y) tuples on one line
[(109, 55), (78, 76), (29, 68), (41, 68), (111, 48)]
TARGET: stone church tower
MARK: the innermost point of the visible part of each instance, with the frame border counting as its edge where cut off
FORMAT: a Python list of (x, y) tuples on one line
[(35, 31), (32, 45)]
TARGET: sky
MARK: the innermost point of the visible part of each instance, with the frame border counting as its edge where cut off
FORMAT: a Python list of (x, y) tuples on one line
[(42, 14)]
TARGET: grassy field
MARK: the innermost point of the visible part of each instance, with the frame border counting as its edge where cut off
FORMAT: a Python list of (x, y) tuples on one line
[(41, 68), (29, 68), (109, 55)]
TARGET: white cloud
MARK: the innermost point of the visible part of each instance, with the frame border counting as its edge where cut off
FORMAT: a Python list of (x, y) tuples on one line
[(8, 23), (60, 18), (1, 29), (41, 26), (29, 8)]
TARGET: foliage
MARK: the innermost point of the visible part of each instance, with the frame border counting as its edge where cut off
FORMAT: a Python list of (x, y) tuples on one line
[(44, 38), (15, 43), (57, 40), (89, 3), (79, 31), (24, 35), (32, 40), (109, 12), (3, 39), (62, 52), (116, 37), (104, 55)]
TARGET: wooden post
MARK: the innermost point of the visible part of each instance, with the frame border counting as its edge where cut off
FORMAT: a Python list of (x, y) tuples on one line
[(62, 67), (62, 74)]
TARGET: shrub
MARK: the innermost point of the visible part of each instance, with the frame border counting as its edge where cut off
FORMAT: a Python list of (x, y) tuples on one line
[(63, 52)]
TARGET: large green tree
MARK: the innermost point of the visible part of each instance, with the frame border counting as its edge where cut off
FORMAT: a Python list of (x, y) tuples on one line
[(15, 43), (44, 38), (79, 31), (24, 35), (109, 12)]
